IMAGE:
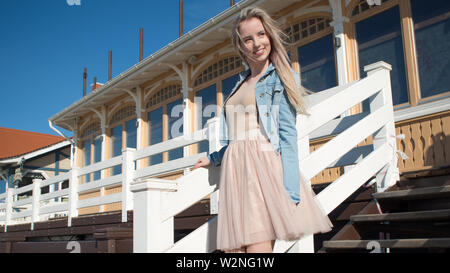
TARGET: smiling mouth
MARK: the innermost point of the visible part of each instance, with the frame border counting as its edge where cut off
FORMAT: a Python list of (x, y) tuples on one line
[(259, 52)]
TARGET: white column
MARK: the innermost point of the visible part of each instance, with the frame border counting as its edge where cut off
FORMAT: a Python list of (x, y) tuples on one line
[(127, 179), (138, 116), (9, 201), (338, 26), (36, 198), (214, 145), (389, 175), (150, 232), (73, 195)]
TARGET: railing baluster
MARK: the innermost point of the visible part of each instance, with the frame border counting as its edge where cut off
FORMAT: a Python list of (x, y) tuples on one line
[(385, 134), (214, 145), (36, 199), (127, 178), (8, 212), (150, 232), (73, 195)]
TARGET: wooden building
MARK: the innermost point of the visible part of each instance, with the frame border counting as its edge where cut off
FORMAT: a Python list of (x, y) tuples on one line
[(175, 91)]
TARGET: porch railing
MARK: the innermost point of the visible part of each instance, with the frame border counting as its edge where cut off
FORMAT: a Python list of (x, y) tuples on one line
[(155, 202)]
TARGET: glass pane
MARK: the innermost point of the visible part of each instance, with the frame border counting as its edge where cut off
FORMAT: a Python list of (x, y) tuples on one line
[(131, 130), (383, 43), (87, 158), (206, 99), (175, 126), (228, 85), (156, 133), (317, 64), (117, 146), (97, 155), (432, 32)]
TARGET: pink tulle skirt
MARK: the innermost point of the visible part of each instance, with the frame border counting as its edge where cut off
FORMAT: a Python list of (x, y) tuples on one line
[(253, 203)]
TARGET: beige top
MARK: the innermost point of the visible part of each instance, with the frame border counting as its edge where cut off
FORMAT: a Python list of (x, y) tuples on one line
[(241, 115)]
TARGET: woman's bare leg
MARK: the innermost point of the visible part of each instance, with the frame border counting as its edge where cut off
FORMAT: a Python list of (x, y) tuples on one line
[(237, 250), (262, 247)]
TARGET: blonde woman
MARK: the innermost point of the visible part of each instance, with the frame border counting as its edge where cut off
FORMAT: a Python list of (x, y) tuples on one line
[(262, 196)]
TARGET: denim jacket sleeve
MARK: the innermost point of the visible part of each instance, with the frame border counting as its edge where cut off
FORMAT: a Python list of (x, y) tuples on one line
[(289, 148), (215, 158)]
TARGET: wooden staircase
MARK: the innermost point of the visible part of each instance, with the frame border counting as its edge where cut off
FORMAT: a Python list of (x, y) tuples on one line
[(412, 216)]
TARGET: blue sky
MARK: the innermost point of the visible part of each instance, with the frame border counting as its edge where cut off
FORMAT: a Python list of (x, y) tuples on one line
[(45, 44)]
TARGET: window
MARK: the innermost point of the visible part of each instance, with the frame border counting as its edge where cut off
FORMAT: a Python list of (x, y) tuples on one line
[(432, 35), (92, 148), (218, 77), (312, 39), (155, 119), (317, 64), (206, 99), (123, 132), (175, 126), (228, 85), (117, 146), (379, 38), (165, 115)]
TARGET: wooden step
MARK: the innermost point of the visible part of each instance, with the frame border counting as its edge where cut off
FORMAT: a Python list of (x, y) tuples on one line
[(427, 215), (393, 243), (418, 193)]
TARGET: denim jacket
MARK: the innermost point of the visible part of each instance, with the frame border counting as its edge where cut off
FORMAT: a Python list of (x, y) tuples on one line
[(278, 118)]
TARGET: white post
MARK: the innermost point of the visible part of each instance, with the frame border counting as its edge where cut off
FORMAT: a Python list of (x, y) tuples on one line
[(8, 212), (73, 195), (151, 233), (306, 243), (386, 134), (214, 145), (36, 199), (127, 178)]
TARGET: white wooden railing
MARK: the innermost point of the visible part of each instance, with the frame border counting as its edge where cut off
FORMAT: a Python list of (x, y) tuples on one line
[(155, 202)]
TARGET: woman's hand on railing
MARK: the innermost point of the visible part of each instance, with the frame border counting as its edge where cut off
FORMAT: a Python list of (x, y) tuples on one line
[(202, 162)]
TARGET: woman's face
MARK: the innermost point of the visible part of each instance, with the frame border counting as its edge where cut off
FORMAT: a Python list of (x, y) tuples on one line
[(256, 42)]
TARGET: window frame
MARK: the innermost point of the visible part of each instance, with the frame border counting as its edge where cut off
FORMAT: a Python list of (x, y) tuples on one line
[(292, 48), (165, 118)]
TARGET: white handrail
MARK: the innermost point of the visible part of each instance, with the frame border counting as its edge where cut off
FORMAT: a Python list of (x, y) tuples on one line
[(324, 107), (157, 201)]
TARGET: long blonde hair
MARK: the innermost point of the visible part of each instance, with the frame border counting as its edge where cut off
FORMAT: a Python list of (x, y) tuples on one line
[(278, 55)]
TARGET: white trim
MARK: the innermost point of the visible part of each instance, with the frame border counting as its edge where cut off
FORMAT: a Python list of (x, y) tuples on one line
[(424, 109)]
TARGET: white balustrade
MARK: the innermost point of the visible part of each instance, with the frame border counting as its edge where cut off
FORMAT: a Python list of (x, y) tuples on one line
[(156, 202)]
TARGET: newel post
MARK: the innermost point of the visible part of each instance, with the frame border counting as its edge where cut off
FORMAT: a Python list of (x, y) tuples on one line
[(36, 199), (389, 174), (214, 145), (151, 233), (73, 195), (8, 212), (128, 168)]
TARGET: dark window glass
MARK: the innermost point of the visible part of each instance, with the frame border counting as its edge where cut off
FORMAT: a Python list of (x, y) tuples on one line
[(131, 130), (432, 33), (87, 158), (227, 86), (156, 134), (317, 64), (117, 147), (379, 39), (175, 126), (208, 99), (97, 155)]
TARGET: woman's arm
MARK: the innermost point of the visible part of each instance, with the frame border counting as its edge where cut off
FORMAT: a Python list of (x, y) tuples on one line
[(216, 157), (289, 147)]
